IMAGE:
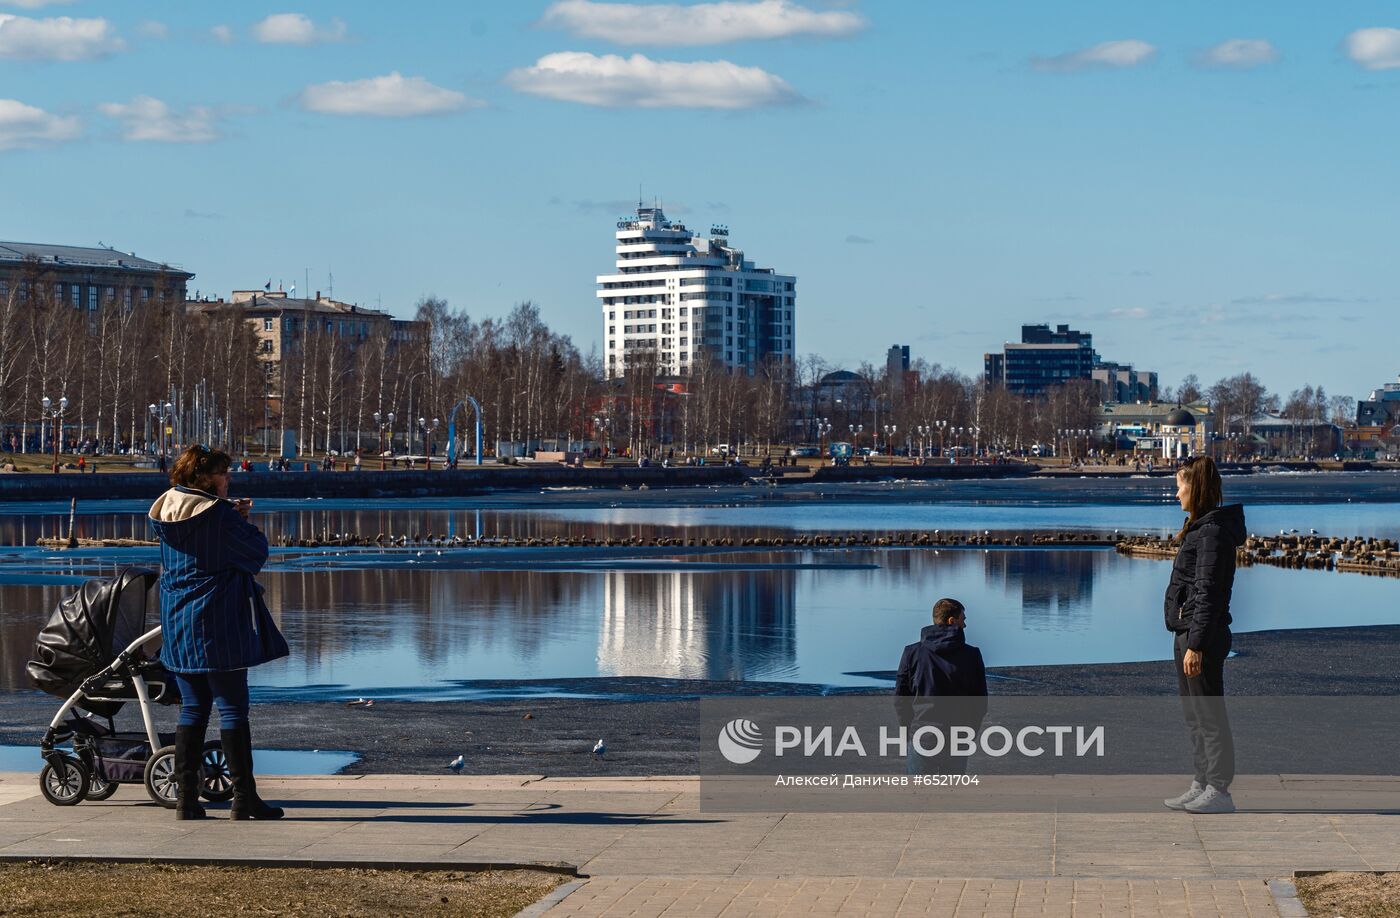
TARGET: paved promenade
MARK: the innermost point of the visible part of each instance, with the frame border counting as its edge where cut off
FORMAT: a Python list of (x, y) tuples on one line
[(646, 849)]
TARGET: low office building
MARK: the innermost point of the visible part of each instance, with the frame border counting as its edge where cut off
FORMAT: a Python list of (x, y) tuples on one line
[(1276, 436), (1382, 409), (88, 277), (282, 324), (1164, 430)]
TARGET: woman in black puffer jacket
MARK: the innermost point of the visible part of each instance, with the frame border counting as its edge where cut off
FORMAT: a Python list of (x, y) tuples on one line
[(1197, 611)]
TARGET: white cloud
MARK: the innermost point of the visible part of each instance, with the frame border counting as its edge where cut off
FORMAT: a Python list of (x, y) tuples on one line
[(150, 120), (1375, 49), (639, 82), (23, 126), (392, 96), (222, 34), (154, 29), (697, 24), (1108, 54), (1240, 53), (61, 38), (296, 29), (36, 4)]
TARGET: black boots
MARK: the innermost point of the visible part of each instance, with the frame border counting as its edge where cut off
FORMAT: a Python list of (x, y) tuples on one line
[(189, 752), (238, 752)]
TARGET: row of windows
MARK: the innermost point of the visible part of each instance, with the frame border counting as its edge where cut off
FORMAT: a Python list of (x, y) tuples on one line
[(680, 239), (649, 313), (666, 328), (707, 281), (709, 295), (630, 285), (74, 294)]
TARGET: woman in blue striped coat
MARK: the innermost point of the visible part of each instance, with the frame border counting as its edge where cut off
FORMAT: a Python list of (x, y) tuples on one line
[(214, 623)]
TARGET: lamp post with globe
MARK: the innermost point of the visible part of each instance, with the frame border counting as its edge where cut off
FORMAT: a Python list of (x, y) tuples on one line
[(54, 412), (383, 422), (428, 429)]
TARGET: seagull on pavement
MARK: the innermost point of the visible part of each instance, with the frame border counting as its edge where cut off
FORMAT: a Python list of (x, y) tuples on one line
[(599, 748), (457, 763)]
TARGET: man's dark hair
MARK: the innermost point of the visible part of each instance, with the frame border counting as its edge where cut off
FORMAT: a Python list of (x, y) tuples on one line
[(945, 610)]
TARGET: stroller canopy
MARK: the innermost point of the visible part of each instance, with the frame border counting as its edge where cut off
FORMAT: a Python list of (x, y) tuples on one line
[(89, 628)]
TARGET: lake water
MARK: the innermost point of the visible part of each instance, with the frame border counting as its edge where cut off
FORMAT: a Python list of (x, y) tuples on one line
[(428, 625)]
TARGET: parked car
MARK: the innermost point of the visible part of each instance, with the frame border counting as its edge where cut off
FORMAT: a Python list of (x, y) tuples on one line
[(722, 449), (804, 452)]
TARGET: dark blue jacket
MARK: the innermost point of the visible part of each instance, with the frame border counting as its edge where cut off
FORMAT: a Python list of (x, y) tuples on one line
[(942, 664), (1203, 576), (212, 614)]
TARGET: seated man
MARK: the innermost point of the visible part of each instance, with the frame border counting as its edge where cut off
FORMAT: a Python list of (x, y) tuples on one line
[(941, 665)]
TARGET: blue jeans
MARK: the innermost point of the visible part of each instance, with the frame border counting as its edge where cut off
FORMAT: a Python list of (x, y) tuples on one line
[(200, 692)]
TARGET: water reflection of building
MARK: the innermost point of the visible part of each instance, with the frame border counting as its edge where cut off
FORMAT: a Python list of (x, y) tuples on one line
[(713, 625), (1056, 587), (441, 614)]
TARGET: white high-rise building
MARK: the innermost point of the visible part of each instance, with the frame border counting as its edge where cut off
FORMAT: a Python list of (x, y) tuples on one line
[(679, 298)]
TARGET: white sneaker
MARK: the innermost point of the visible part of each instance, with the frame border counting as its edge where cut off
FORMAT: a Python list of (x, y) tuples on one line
[(1179, 803), (1212, 800)]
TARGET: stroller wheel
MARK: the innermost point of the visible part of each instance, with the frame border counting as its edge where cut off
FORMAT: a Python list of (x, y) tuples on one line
[(65, 785), (217, 784), (160, 777), (99, 788)]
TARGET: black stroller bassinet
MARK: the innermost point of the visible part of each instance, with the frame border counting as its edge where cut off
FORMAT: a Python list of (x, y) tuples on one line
[(94, 653)]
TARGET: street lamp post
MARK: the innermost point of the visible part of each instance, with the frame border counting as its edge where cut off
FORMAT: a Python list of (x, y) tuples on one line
[(383, 422), (823, 429), (161, 414), (55, 414), (602, 422), (428, 440)]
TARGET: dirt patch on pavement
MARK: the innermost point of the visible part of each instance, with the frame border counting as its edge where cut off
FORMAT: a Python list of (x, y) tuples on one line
[(1353, 895), (160, 890)]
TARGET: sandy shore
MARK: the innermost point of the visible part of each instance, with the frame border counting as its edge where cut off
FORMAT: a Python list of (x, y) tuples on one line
[(658, 735)]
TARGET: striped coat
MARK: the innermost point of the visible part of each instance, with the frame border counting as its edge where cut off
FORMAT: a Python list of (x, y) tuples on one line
[(212, 614)]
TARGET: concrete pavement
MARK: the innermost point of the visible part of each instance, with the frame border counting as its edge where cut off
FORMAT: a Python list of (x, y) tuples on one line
[(647, 849)]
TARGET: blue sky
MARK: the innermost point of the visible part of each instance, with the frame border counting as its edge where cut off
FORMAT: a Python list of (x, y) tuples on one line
[(1206, 187)]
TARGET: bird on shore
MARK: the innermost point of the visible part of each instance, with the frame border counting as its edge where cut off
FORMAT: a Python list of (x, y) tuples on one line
[(458, 763), (599, 748)]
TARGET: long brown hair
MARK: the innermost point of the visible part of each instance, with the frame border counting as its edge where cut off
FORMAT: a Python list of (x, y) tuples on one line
[(197, 466), (1203, 487)]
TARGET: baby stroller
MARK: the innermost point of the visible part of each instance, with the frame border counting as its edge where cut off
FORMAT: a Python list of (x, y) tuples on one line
[(93, 652)]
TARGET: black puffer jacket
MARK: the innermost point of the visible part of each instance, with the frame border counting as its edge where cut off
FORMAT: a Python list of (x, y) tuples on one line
[(1198, 596), (941, 679)]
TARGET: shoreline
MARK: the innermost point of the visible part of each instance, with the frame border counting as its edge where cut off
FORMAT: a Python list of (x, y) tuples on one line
[(658, 735), (477, 482)]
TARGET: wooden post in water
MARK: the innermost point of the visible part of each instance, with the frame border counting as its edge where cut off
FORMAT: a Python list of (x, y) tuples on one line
[(72, 517)]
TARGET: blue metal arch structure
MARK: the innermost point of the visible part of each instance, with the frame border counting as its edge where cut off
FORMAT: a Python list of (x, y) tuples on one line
[(452, 431)]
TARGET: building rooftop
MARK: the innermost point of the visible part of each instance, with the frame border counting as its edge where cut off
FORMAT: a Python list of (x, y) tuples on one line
[(277, 302), (83, 257), (1157, 410)]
